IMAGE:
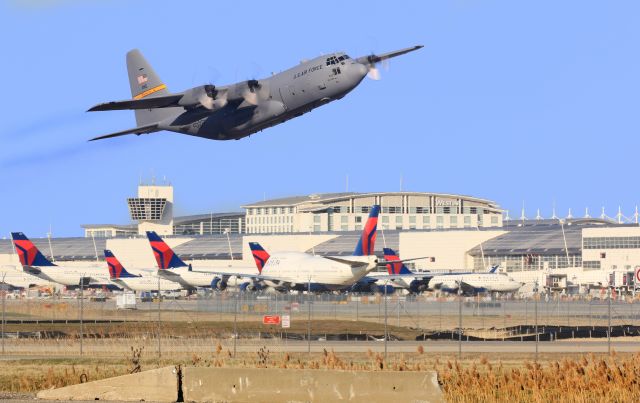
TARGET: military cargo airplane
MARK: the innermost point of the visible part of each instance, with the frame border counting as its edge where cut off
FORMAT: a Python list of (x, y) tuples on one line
[(234, 111)]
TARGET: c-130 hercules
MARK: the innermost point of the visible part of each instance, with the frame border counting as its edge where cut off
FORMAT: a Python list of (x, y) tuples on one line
[(238, 110)]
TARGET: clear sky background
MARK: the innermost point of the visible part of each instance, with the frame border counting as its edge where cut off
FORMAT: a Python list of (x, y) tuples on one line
[(535, 103)]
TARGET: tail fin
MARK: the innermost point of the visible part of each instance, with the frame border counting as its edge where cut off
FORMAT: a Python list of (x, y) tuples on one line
[(494, 268), (27, 252), (165, 257), (145, 83), (259, 255), (116, 270), (368, 238), (394, 268)]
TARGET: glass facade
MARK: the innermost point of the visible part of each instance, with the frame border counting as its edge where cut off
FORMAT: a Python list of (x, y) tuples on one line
[(620, 242), (528, 262)]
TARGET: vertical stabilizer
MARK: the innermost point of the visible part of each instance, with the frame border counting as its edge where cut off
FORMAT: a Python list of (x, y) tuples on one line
[(165, 257), (145, 83), (28, 252), (394, 268), (367, 240), (116, 269), (259, 255)]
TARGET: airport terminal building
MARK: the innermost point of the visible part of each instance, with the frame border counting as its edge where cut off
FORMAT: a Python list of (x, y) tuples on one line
[(455, 233), (337, 212)]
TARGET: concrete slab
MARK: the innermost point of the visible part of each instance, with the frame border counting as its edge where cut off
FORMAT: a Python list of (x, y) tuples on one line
[(294, 385), (160, 385)]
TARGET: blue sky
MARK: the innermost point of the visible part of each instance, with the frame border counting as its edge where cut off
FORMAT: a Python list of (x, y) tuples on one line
[(534, 103)]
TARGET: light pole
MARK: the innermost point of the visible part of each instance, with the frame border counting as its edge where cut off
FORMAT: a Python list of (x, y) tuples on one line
[(226, 232)]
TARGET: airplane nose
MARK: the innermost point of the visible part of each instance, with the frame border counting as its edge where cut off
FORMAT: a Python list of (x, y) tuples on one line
[(360, 69)]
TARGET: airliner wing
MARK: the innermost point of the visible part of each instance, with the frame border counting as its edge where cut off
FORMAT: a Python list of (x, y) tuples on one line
[(386, 262), (247, 275), (411, 276), (349, 263)]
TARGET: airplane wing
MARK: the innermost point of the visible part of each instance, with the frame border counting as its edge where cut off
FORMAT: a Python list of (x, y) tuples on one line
[(412, 276), (137, 131), (167, 101), (347, 262), (247, 275), (378, 58), (467, 288), (386, 262)]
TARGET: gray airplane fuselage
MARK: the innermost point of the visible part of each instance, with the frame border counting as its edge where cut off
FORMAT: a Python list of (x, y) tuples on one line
[(291, 93)]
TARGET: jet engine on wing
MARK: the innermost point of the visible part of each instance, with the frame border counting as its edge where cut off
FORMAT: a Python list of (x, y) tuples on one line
[(219, 284)]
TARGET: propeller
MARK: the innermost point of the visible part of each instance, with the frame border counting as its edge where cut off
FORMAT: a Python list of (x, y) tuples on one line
[(256, 91), (212, 98), (373, 73)]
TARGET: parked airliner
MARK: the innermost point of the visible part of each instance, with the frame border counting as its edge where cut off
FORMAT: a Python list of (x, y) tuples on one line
[(34, 262), (135, 282)]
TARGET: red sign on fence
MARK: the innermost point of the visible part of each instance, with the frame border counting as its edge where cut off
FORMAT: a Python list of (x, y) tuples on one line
[(271, 320)]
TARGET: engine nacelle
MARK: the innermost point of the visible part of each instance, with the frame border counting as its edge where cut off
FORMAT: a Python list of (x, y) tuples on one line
[(204, 95), (250, 286), (218, 284)]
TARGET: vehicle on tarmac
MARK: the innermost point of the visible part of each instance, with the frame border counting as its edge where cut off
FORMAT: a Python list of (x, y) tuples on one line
[(231, 112)]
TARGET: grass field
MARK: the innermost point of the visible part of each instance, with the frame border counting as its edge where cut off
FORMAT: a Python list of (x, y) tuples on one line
[(501, 378)]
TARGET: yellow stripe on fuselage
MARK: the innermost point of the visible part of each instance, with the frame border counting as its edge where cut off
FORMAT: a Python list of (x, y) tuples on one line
[(150, 91)]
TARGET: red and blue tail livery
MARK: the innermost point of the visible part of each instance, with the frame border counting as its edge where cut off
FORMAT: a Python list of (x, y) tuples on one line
[(116, 270), (165, 257), (259, 255), (394, 268), (368, 238), (27, 252)]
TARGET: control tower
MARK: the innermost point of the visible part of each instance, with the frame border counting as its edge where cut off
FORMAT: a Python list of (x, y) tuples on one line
[(153, 209)]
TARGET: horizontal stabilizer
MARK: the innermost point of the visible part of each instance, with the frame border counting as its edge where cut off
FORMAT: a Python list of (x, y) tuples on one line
[(144, 103), (137, 131)]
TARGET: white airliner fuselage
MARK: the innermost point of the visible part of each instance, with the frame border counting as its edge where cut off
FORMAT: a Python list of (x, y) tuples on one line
[(297, 270), (489, 282)]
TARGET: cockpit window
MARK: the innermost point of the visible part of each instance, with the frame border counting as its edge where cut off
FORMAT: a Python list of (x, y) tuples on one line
[(332, 60)]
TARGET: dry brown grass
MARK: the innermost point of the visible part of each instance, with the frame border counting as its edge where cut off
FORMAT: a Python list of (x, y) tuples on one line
[(588, 379), (474, 379)]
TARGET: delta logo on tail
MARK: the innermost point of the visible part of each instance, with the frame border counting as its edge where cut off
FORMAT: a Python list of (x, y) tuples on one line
[(394, 268), (259, 255), (367, 240), (27, 252), (116, 270), (165, 257)]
